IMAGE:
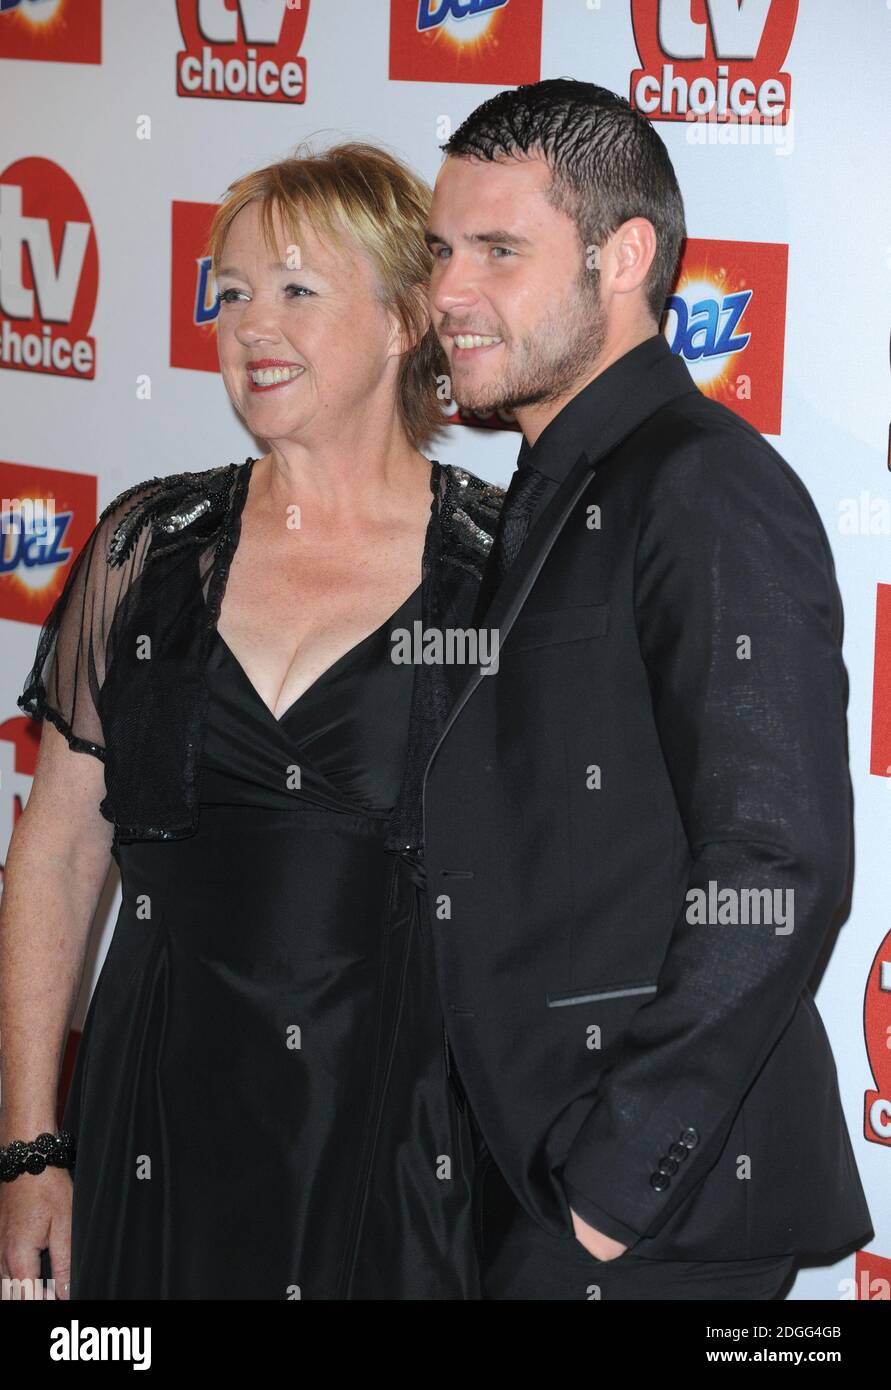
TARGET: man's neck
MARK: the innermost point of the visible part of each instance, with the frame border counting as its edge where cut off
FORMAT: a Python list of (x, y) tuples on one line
[(532, 419)]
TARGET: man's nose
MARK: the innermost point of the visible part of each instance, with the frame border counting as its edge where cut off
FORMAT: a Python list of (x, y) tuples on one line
[(451, 285)]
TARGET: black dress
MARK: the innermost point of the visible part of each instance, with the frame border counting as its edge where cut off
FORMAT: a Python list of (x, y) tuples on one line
[(260, 1097)]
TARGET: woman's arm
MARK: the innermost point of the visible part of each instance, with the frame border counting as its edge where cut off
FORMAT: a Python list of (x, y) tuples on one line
[(56, 867)]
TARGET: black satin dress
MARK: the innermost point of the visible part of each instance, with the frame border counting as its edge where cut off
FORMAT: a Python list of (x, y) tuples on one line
[(260, 1100)]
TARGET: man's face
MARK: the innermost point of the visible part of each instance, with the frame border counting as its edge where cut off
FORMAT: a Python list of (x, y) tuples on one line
[(508, 266)]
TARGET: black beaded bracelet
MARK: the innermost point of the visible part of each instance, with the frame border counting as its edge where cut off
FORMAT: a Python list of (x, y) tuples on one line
[(46, 1151)]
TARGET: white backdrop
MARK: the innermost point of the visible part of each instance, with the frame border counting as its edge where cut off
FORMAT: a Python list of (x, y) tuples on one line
[(816, 184)]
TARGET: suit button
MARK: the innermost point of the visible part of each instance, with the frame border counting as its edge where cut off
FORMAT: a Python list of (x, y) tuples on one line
[(667, 1165), (689, 1138), (660, 1181), (678, 1151)]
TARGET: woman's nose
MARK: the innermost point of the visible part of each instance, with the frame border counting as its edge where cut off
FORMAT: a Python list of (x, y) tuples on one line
[(258, 319)]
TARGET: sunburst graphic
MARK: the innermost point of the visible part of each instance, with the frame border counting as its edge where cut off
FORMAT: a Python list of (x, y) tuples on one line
[(39, 16), (469, 37), (709, 285)]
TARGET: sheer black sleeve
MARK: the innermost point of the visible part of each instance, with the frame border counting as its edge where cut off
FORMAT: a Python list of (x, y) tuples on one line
[(74, 648)]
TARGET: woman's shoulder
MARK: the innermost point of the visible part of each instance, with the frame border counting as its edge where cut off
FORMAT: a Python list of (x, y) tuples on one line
[(168, 506), (469, 509), (478, 491)]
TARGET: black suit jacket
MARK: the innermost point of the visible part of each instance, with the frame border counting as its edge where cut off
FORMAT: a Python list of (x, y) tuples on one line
[(668, 713)]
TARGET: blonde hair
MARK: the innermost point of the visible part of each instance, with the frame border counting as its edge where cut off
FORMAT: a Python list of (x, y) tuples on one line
[(366, 192)]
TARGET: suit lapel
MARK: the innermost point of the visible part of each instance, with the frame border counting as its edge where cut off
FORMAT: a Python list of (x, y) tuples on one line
[(514, 588), (667, 380)]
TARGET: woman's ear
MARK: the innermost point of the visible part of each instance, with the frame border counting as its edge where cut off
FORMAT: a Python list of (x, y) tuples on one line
[(402, 341)]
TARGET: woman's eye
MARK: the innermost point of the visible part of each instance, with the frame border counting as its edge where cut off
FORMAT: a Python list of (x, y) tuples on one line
[(231, 295)]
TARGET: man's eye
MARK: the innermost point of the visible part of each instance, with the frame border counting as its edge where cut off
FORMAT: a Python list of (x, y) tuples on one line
[(506, 249)]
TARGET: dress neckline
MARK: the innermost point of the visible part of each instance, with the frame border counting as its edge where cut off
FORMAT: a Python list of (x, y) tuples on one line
[(337, 663), (245, 472)]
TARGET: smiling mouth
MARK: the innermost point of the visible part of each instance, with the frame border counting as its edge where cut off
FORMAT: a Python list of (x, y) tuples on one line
[(469, 346), (474, 342), (270, 378)]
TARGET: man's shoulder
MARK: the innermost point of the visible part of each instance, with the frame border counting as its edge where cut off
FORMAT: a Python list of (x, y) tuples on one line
[(695, 444)]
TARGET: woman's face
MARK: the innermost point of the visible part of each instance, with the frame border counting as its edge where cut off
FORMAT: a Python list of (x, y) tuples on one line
[(302, 341)]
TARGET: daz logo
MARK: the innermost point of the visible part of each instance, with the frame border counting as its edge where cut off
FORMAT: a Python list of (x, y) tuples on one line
[(727, 319), (491, 41), (193, 309), (49, 272), (46, 517), (715, 58), (242, 50), (51, 31)]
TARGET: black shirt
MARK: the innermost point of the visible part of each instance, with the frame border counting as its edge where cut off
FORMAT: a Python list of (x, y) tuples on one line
[(581, 423)]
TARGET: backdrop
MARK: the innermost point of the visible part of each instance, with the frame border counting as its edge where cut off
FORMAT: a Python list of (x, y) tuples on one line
[(124, 122)]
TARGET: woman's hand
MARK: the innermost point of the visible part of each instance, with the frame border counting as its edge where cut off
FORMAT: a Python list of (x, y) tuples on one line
[(595, 1242), (35, 1213)]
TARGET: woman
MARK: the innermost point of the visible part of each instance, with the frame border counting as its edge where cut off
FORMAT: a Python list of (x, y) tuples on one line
[(261, 1103)]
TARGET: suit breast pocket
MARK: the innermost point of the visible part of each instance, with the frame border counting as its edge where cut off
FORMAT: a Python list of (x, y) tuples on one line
[(592, 1020), (549, 627), (597, 995)]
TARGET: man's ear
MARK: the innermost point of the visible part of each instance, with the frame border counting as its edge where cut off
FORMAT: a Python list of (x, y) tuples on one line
[(632, 249)]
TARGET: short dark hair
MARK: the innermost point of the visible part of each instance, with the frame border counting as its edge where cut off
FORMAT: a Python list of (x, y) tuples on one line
[(607, 161)]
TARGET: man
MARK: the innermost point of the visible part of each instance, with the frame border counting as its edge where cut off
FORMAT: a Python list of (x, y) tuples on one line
[(637, 830)]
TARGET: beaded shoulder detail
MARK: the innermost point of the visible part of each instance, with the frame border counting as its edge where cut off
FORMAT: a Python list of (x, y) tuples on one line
[(169, 506), (469, 511)]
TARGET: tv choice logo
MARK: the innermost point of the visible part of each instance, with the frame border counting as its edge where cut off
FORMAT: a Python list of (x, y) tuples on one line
[(487, 41), (877, 1035), (242, 50), (49, 272), (726, 319), (51, 30), (720, 59), (35, 559)]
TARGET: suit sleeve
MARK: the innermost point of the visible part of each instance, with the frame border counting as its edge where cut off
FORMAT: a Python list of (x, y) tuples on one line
[(739, 625), (598, 1218)]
